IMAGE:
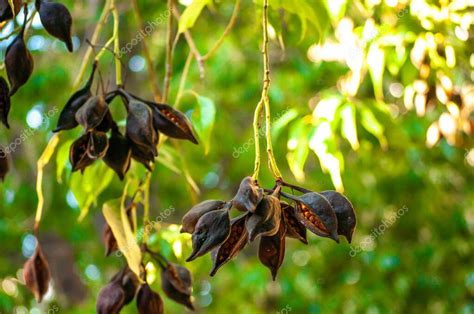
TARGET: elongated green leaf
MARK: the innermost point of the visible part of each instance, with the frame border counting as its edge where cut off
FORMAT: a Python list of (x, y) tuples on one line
[(203, 120), (373, 126), (349, 126), (191, 14), (376, 63), (282, 121), (298, 149), (62, 159), (116, 217)]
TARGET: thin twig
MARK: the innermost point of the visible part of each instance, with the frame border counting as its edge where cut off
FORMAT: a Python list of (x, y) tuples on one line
[(146, 53), (169, 55), (118, 65), (227, 30), (184, 76)]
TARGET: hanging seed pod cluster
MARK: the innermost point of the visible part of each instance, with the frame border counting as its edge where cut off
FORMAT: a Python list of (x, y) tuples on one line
[(102, 138), (268, 217)]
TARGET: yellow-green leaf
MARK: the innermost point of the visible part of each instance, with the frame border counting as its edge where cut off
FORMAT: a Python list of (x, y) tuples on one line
[(349, 127), (191, 14), (116, 217)]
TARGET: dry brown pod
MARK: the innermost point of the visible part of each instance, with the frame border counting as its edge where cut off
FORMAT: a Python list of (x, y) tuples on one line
[(111, 298), (91, 114), (248, 196), (346, 217), (78, 156), (4, 164), (266, 219), (197, 211), (176, 282), (271, 250), (4, 101), (57, 20), (18, 60), (140, 126), (98, 145), (233, 245), (294, 228), (148, 301), (36, 274), (119, 154)]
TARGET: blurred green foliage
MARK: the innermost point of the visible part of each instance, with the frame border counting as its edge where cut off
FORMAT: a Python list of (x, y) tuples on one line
[(375, 97)]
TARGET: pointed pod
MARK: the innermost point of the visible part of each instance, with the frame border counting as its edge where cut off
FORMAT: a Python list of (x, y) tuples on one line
[(142, 155), (67, 117), (57, 20), (78, 155), (294, 228), (91, 114), (4, 164), (271, 251), (172, 123), (109, 240), (118, 155), (266, 219), (4, 101), (248, 196), (148, 301), (130, 284), (111, 298), (192, 216), (6, 12), (176, 282), (316, 213), (140, 126), (211, 230), (346, 217), (233, 245), (36, 274), (98, 145), (18, 61)]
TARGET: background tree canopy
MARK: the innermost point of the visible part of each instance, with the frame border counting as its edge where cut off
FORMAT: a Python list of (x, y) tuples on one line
[(374, 98)]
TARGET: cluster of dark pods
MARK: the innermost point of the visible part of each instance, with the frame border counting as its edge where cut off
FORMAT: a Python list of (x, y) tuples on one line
[(19, 63), (268, 217), (125, 286), (102, 138)]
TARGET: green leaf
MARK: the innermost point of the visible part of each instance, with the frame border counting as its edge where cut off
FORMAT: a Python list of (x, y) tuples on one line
[(116, 217), (298, 149), (373, 126), (12, 6), (88, 186), (322, 142), (349, 126), (282, 121), (203, 120), (191, 14), (62, 159), (376, 64)]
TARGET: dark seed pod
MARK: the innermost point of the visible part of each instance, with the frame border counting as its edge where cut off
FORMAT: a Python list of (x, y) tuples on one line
[(316, 213), (346, 218), (36, 274), (172, 123), (78, 153), (176, 282), (67, 117), (109, 240), (142, 155), (294, 228), (148, 301), (98, 145), (212, 229), (192, 216), (130, 285), (4, 101), (111, 298), (57, 21), (265, 221), (140, 126), (6, 12), (4, 165), (107, 123), (118, 155), (271, 250), (18, 61), (91, 114), (232, 246), (248, 196)]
